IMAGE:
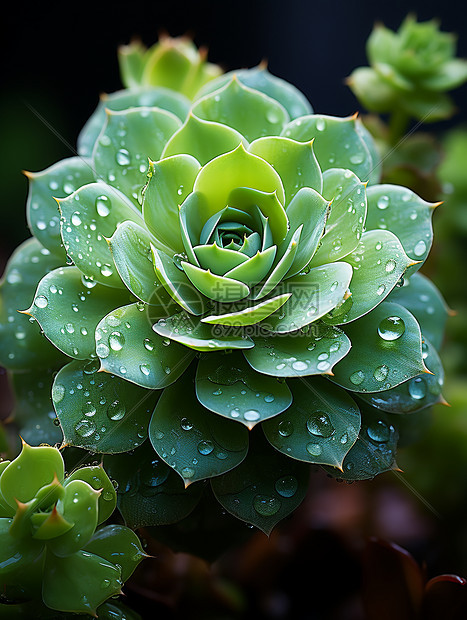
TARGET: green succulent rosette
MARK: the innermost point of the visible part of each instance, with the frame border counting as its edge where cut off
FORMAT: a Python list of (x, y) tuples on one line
[(51, 549), (410, 70), (239, 301)]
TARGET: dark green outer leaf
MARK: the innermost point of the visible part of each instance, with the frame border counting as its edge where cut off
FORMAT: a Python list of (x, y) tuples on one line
[(425, 302), (101, 412), (149, 492), (89, 216), (68, 309), (22, 345), (376, 363), (58, 181), (374, 451), (264, 489), (418, 393), (195, 442), (320, 426)]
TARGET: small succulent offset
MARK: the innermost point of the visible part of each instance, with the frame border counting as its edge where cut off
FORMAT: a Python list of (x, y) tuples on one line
[(411, 70), (218, 266), (50, 549)]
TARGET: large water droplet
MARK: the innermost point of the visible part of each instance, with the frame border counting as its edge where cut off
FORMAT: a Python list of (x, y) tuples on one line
[(252, 415), (186, 424), (420, 248), (266, 506), (85, 428), (391, 328), (41, 301), (188, 472), (145, 369), (103, 205), (75, 219), (320, 425), (116, 341), (382, 202), (286, 486), (58, 392), (314, 449), (390, 266), (102, 350), (88, 410), (357, 377), (205, 447), (123, 157), (285, 428), (379, 431), (381, 373), (116, 410), (417, 388)]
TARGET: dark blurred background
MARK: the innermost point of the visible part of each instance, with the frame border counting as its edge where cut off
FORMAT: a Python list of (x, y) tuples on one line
[(58, 59)]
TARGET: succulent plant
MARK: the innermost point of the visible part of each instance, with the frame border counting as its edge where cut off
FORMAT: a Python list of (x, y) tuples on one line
[(253, 276), (411, 71), (50, 549)]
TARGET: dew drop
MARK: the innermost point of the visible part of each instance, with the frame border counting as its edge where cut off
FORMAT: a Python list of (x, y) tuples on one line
[(252, 415), (88, 410), (320, 425), (286, 486), (102, 350), (205, 447), (379, 432), (186, 424), (299, 366), (391, 328), (320, 124), (390, 266), (380, 290), (145, 369), (116, 341), (85, 428), (417, 388), (116, 410), (381, 373), (58, 392), (382, 202), (285, 428), (75, 219), (103, 205), (266, 506), (314, 449), (357, 377), (41, 301), (420, 248), (188, 472), (106, 270), (122, 157)]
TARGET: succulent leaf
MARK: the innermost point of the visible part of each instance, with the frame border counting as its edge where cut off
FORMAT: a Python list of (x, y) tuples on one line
[(312, 352), (79, 583), (22, 345), (228, 385), (320, 426), (266, 116), (266, 487), (386, 350), (108, 414), (149, 491), (89, 216), (58, 181), (196, 443), (68, 307)]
